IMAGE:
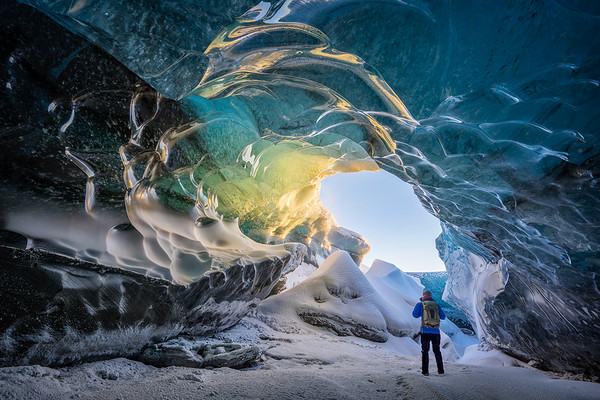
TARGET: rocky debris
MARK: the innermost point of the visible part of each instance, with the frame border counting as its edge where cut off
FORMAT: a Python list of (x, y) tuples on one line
[(344, 327), (199, 354)]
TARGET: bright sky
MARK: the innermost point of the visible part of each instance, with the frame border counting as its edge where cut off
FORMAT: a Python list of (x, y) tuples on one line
[(386, 211)]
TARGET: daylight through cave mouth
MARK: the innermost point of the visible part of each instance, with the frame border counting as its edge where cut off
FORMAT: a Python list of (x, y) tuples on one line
[(397, 226)]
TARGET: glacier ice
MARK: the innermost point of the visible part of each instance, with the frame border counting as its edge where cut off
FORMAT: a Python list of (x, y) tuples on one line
[(502, 147), (435, 282)]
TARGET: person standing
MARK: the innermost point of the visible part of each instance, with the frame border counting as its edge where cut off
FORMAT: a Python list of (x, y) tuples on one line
[(430, 313)]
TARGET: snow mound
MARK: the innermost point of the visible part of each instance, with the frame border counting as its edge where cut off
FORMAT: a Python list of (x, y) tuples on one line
[(492, 358), (364, 268), (339, 297), (393, 283), (381, 268)]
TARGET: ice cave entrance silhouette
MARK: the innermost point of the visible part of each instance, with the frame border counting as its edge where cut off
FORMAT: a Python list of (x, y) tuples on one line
[(387, 213)]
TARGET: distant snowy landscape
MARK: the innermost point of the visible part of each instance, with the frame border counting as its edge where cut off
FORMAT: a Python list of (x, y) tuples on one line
[(335, 333)]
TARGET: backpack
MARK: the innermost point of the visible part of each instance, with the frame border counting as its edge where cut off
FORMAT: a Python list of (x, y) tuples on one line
[(431, 315)]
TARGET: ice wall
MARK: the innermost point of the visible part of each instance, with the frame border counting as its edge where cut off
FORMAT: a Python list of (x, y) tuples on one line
[(504, 151)]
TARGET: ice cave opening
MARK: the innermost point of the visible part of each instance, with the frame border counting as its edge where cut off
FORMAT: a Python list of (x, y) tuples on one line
[(397, 226)]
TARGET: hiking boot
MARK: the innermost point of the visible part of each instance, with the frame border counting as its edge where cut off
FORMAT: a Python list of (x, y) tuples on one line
[(441, 373), (426, 373)]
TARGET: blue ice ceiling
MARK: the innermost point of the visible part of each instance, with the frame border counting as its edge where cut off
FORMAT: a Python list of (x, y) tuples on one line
[(199, 132)]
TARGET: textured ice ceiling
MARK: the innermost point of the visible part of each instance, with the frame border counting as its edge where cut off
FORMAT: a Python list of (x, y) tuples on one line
[(218, 161)]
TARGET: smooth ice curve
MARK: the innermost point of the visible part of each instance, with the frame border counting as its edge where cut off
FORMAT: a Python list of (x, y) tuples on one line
[(490, 112)]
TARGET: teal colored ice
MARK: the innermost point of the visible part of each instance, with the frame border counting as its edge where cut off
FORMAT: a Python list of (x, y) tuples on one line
[(489, 110)]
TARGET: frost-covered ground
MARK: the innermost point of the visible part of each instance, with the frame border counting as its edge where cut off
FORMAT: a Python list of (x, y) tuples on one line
[(300, 360), (308, 364)]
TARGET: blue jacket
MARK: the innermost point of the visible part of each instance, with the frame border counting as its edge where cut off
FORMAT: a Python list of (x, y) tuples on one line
[(418, 313)]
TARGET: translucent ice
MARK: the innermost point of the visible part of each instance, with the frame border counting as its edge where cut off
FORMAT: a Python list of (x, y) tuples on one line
[(503, 150)]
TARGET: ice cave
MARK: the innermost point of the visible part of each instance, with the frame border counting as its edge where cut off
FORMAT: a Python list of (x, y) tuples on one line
[(161, 163)]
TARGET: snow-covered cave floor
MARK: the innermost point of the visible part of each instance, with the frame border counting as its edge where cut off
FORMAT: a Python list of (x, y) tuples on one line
[(310, 363)]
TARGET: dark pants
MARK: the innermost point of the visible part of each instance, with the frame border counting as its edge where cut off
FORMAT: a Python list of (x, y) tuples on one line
[(434, 338)]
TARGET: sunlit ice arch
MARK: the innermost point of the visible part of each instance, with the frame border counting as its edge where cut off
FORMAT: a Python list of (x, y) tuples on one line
[(271, 191), (256, 154)]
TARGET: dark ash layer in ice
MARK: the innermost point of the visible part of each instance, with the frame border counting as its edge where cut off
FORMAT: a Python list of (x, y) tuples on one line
[(192, 353), (58, 310)]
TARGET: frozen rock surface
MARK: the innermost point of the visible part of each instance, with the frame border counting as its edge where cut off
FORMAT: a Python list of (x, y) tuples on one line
[(58, 310), (199, 354), (502, 148)]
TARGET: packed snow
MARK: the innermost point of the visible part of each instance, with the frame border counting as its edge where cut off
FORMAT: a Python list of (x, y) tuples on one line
[(339, 296)]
